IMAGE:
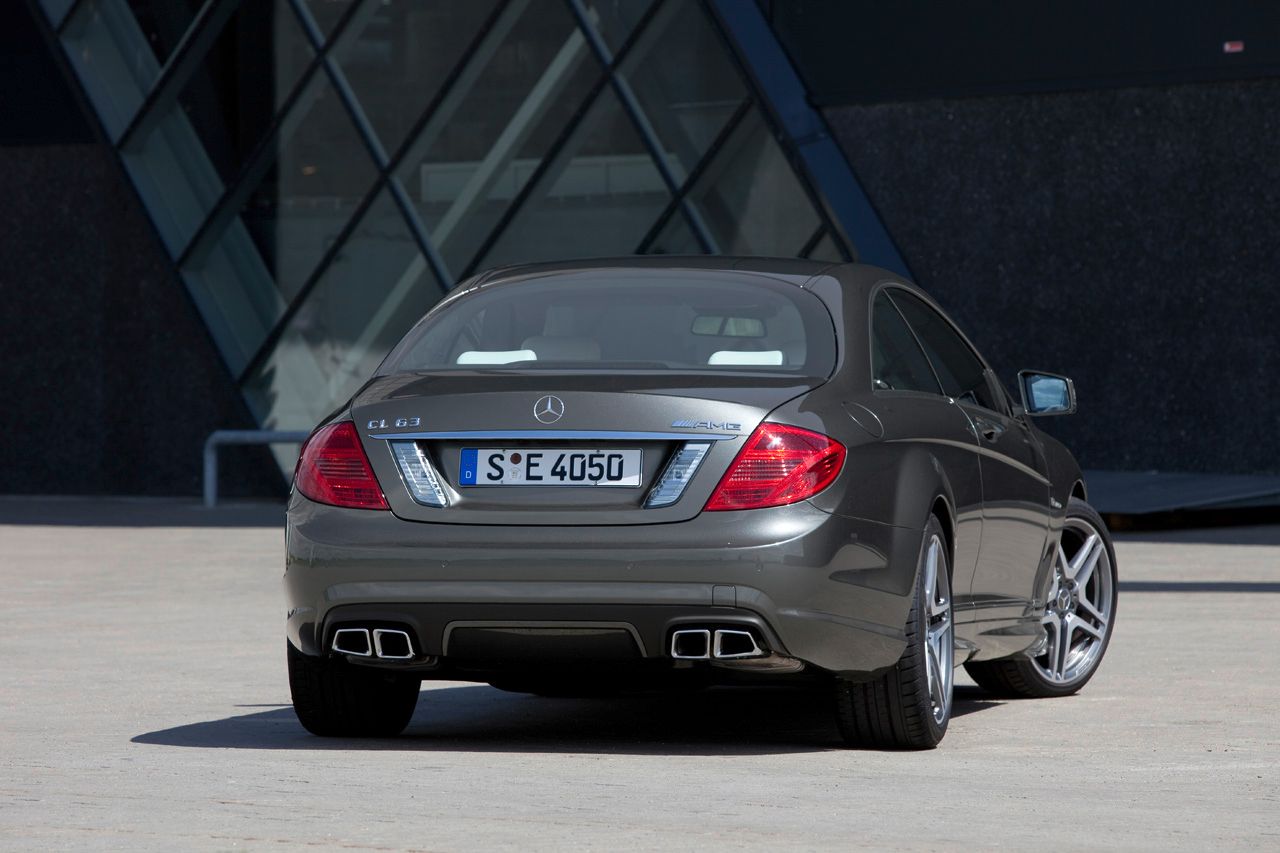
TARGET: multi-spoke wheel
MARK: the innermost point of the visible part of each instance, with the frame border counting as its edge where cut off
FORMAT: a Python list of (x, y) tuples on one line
[(1080, 609), (910, 705), (939, 634)]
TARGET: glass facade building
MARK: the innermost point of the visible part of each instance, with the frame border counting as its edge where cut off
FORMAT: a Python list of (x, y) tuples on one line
[(320, 172)]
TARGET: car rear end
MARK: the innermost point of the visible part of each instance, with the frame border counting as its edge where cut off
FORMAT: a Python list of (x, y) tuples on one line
[(597, 471)]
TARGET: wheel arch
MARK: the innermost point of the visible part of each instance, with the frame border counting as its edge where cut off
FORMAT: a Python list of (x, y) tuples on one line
[(941, 509)]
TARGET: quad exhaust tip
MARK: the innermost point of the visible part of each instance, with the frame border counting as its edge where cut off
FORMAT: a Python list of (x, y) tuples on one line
[(385, 643), (732, 645), (391, 644), (722, 644), (691, 644), (353, 641)]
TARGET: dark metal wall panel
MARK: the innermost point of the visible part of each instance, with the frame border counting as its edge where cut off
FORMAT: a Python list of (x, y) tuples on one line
[(860, 51), (1123, 237), (110, 380)]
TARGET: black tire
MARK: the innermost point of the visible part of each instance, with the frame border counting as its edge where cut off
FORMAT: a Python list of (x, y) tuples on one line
[(895, 711), (335, 699), (1021, 676)]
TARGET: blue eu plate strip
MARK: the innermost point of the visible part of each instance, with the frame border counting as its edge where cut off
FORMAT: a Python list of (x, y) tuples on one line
[(467, 467)]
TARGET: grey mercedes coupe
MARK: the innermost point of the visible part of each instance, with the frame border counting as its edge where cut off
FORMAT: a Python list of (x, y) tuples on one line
[(680, 472)]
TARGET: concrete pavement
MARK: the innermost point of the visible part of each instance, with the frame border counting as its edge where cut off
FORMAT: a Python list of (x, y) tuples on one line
[(143, 704)]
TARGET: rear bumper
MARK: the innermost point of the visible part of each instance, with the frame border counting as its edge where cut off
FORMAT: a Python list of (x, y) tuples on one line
[(831, 591)]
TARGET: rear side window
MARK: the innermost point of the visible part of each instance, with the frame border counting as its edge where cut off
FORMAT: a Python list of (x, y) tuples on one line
[(626, 321), (897, 362), (961, 372)]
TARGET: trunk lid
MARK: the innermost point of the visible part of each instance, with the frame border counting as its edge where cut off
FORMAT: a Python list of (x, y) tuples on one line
[(687, 428)]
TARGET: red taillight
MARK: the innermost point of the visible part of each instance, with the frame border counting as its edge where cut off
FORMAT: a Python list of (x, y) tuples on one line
[(333, 469), (779, 465)]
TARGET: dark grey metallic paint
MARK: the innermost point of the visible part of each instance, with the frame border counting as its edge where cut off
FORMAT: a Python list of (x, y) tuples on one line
[(829, 580)]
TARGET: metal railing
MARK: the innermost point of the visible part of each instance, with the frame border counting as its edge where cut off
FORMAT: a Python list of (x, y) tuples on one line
[(239, 436)]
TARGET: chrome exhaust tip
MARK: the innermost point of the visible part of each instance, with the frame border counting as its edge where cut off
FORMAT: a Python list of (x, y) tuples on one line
[(392, 644), (352, 641), (691, 644), (734, 645)]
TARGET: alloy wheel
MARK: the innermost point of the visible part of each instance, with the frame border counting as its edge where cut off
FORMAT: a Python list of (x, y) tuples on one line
[(1079, 604), (939, 632)]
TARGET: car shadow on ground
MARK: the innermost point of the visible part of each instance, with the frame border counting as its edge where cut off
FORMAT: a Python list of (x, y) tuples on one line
[(479, 718)]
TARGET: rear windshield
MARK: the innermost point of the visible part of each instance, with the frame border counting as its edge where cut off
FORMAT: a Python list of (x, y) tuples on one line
[(690, 322)]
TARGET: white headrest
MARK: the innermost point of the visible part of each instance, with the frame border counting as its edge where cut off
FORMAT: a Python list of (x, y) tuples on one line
[(475, 356), (731, 356)]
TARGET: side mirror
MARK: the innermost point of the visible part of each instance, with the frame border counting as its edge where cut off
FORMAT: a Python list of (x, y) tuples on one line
[(1046, 393)]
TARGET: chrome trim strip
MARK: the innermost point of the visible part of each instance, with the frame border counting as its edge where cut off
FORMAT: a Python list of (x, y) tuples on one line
[(556, 435)]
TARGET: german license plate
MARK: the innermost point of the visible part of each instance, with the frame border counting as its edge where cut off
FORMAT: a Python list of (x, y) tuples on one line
[(499, 466)]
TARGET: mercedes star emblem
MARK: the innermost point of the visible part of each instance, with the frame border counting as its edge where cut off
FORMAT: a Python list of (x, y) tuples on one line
[(548, 409)]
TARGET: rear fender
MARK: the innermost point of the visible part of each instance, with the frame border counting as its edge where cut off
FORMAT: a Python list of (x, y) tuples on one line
[(888, 483), (896, 491)]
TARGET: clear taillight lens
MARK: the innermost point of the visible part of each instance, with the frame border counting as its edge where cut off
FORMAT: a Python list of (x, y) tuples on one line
[(779, 465), (333, 469)]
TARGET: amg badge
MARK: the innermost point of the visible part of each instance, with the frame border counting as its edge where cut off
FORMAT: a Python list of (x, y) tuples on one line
[(706, 425)]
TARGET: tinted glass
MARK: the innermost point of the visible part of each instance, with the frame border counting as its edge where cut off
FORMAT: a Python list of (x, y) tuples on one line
[(321, 174), (749, 199), (163, 23), (616, 19), (684, 82), (961, 372), (598, 197), (327, 13), (510, 103), (826, 249), (243, 81), (897, 362), (397, 56), (626, 321), (362, 304)]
